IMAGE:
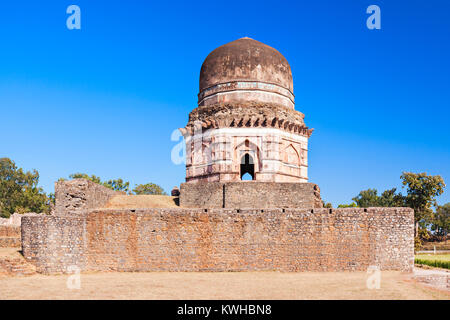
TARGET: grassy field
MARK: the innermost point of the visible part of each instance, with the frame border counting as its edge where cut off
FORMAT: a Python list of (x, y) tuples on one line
[(434, 260)]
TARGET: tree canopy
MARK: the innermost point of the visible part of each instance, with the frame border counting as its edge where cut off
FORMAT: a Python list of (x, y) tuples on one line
[(370, 198), (19, 190), (327, 204), (116, 184), (351, 205), (441, 220), (422, 191), (149, 188), (121, 185)]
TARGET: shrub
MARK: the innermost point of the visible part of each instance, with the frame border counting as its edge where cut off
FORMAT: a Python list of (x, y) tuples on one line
[(433, 263)]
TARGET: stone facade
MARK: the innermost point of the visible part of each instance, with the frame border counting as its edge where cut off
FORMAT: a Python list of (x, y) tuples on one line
[(15, 219), (288, 240), (219, 137), (250, 194), (245, 122)]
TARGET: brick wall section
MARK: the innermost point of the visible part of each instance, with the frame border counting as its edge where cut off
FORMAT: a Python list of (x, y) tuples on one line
[(287, 240), (202, 195), (10, 242), (80, 194), (54, 243), (9, 231), (250, 194), (9, 236)]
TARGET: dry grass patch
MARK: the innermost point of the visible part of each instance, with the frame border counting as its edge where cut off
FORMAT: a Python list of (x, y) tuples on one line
[(141, 201), (231, 285)]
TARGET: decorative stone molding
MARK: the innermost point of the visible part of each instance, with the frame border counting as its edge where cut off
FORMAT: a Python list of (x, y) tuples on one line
[(242, 90), (250, 114)]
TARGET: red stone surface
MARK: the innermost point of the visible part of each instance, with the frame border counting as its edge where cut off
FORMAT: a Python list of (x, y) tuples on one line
[(287, 240)]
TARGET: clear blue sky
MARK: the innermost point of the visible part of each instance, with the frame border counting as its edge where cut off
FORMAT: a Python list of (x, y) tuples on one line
[(105, 99)]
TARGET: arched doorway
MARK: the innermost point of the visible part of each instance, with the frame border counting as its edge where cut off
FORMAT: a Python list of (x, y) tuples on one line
[(247, 167)]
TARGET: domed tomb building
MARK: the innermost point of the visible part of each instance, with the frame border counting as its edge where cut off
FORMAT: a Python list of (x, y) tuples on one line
[(245, 125)]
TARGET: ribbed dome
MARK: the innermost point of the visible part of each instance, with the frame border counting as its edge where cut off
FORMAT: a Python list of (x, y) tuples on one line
[(245, 59)]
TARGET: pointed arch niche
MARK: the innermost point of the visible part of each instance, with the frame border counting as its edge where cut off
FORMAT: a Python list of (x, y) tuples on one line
[(247, 159)]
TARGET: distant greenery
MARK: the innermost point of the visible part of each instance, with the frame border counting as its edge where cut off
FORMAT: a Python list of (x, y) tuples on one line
[(441, 220), (370, 198), (149, 188), (422, 190), (121, 185), (438, 260), (351, 205), (19, 191), (116, 185), (327, 204)]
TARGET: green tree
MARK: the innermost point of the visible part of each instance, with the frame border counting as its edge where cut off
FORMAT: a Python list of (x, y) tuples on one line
[(327, 204), (92, 178), (390, 198), (19, 191), (367, 198), (351, 205), (117, 184), (441, 220), (51, 198), (149, 188), (370, 198), (422, 191)]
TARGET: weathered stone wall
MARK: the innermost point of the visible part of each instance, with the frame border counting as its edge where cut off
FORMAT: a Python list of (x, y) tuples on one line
[(54, 243), (202, 195), (10, 230), (80, 194), (250, 194), (15, 219), (286, 240)]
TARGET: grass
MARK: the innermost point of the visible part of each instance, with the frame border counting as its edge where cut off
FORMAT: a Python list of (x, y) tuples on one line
[(433, 260)]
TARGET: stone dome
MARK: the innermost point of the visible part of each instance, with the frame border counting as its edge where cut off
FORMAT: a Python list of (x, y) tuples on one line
[(244, 70)]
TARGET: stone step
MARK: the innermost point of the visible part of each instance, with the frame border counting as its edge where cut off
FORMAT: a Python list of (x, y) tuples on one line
[(10, 231), (16, 266), (10, 242)]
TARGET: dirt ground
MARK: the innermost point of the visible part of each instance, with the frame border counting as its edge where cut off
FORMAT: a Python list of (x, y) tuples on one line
[(232, 285)]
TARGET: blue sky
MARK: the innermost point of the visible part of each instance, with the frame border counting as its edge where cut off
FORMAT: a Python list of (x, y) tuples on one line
[(105, 99)]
